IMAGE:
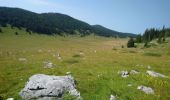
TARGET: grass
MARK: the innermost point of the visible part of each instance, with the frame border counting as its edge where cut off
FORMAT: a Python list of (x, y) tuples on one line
[(96, 72), (152, 54)]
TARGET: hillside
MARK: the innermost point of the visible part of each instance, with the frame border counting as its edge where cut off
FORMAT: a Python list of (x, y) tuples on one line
[(93, 61), (52, 23)]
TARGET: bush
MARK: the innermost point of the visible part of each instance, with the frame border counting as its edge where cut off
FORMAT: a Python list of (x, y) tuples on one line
[(3, 25), (131, 43), (16, 33), (0, 30), (71, 61), (76, 55)]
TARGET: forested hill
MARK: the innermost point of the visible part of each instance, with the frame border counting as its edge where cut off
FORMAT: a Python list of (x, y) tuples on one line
[(52, 23)]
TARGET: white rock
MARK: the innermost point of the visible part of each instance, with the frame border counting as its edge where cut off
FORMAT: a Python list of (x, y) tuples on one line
[(149, 67), (112, 97), (10, 99), (59, 58), (22, 59), (124, 74), (81, 53), (39, 50), (45, 87), (134, 72), (129, 85), (155, 74), (145, 89), (48, 65), (68, 73)]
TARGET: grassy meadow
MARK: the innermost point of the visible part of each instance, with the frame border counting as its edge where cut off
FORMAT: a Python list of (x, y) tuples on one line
[(93, 61)]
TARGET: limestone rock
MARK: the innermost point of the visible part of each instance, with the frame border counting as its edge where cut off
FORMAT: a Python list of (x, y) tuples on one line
[(124, 74), (45, 87), (10, 99), (22, 59), (112, 97), (155, 74), (134, 72), (48, 65), (145, 89)]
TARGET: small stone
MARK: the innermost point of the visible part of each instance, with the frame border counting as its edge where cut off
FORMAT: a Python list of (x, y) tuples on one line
[(149, 67), (129, 85), (10, 99), (134, 72), (39, 50), (155, 74), (59, 58), (81, 53), (112, 97), (68, 73), (145, 89), (124, 74), (48, 65), (22, 59)]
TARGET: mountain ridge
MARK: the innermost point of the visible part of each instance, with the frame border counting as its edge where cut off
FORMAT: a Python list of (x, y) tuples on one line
[(53, 23)]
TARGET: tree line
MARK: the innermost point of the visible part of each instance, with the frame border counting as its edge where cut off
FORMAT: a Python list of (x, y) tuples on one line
[(149, 35), (153, 33)]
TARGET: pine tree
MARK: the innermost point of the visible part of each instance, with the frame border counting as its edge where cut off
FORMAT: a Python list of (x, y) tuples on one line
[(16, 33), (0, 30), (139, 38), (131, 43)]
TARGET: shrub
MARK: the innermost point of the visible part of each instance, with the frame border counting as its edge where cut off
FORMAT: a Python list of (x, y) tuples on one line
[(71, 61), (76, 55), (131, 43), (0, 30), (16, 33)]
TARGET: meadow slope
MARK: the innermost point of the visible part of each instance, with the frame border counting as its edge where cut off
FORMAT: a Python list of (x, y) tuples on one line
[(93, 61)]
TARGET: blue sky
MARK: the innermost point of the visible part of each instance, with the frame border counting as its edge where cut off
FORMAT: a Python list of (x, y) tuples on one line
[(121, 15)]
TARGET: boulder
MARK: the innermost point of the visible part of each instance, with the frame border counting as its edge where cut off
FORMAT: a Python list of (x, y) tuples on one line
[(155, 74), (45, 87), (145, 89)]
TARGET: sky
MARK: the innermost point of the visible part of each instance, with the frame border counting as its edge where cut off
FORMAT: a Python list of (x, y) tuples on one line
[(132, 16)]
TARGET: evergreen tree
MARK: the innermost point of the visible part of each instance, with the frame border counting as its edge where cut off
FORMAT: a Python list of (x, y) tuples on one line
[(131, 43), (16, 33), (139, 38), (0, 30)]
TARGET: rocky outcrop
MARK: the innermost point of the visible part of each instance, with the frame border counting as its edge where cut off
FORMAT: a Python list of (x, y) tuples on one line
[(145, 89), (45, 87)]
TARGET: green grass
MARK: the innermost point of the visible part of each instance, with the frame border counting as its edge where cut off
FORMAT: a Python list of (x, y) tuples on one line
[(96, 72), (152, 54)]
